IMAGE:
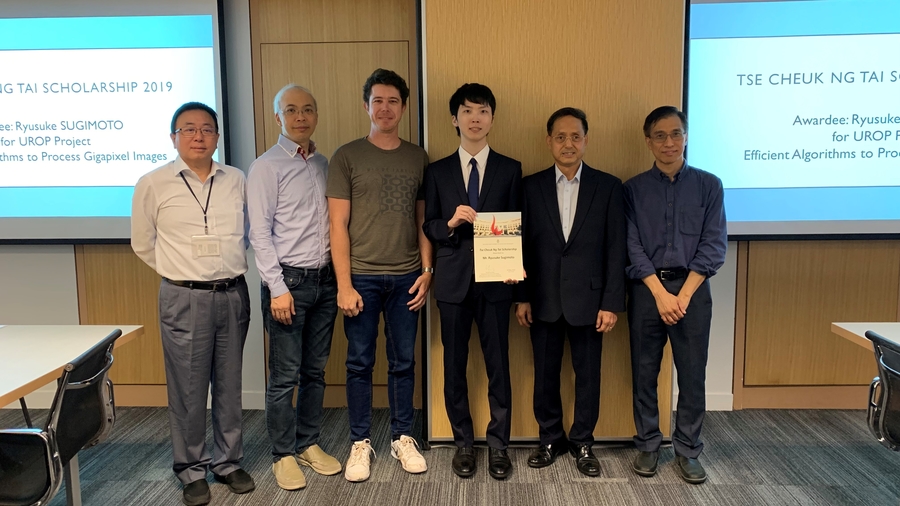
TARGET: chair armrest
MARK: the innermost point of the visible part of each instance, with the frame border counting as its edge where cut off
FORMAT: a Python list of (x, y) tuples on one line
[(873, 410)]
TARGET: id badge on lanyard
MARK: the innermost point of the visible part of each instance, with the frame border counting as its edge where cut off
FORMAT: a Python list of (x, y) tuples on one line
[(205, 245)]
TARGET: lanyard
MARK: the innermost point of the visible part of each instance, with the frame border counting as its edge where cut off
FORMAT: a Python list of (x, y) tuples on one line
[(208, 194)]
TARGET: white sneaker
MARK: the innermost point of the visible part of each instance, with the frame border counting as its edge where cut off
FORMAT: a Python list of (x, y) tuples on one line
[(357, 468), (404, 450)]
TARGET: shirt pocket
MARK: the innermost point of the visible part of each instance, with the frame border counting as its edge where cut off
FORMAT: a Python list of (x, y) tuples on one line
[(692, 220)]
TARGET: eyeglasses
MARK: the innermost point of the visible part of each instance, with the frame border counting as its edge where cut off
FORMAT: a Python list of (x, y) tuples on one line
[(293, 111), (660, 137), (561, 139), (191, 131)]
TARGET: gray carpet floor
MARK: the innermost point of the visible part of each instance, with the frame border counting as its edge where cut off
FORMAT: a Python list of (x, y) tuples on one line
[(753, 457)]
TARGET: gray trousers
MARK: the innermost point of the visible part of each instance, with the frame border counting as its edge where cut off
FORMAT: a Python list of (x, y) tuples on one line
[(203, 334)]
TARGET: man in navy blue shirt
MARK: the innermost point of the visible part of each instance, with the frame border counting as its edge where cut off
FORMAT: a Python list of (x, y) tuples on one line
[(676, 241)]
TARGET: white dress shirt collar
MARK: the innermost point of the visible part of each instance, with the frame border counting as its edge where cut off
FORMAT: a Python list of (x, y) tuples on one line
[(559, 173), (481, 157)]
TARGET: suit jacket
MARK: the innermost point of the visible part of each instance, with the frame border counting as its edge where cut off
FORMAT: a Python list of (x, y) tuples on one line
[(501, 191), (578, 277)]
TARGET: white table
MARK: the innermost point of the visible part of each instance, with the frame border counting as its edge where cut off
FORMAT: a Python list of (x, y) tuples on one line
[(33, 356), (856, 331)]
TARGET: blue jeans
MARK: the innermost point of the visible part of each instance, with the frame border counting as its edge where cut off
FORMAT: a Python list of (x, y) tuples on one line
[(388, 294), (297, 356)]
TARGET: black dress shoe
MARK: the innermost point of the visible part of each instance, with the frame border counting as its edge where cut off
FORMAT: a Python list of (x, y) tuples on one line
[(464, 461), (645, 463), (499, 465), (238, 481), (585, 460), (691, 469), (546, 454), (196, 493)]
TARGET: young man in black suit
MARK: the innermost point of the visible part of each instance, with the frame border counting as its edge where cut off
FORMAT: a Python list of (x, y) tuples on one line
[(574, 252), (473, 179)]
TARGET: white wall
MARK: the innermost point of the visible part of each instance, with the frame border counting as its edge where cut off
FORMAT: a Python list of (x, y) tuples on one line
[(243, 152), (38, 288)]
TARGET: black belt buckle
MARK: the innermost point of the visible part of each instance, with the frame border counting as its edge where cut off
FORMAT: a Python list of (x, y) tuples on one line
[(670, 274), (221, 286), (215, 286)]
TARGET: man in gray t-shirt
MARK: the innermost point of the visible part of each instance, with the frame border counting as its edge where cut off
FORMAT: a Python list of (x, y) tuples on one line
[(383, 264)]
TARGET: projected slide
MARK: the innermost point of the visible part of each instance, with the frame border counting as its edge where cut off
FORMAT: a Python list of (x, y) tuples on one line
[(86, 106), (796, 106)]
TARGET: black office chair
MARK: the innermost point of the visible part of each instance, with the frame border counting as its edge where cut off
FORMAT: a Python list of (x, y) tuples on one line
[(883, 413), (32, 461)]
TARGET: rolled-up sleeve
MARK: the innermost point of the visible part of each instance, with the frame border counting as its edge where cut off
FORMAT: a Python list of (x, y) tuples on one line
[(710, 255)]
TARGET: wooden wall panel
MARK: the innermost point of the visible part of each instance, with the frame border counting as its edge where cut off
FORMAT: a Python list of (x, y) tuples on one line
[(796, 289), (117, 288), (338, 92), (333, 20), (331, 47), (615, 60)]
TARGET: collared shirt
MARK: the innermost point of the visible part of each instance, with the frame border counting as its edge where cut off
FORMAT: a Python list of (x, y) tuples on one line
[(567, 198), (675, 224), (288, 211), (165, 216), (480, 157)]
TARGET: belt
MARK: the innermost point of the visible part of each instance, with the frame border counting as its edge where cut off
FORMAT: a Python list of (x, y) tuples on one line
[(219, 285), (306, 271), (670, 274)]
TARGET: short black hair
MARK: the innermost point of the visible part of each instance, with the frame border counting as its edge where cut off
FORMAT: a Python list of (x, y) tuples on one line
[(474, 93), (195, 106), (661, 113), (567, 111), (387, 78)]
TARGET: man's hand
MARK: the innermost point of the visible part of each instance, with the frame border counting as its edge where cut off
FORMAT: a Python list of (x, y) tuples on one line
[(523, 314), (515, 281), (350, 302), (283, 308), (669, 308), (606, 320), (463, 214), (420, 288), (683, 301)]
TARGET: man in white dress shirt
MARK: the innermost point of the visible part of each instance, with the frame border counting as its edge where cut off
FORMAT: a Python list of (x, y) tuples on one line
[(188, 223)]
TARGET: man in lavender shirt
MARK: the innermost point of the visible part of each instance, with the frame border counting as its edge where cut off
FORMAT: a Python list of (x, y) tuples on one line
[(289, 233)]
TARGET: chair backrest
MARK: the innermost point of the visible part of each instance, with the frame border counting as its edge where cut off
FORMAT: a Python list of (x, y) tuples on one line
[(886, 424), (82, 412)]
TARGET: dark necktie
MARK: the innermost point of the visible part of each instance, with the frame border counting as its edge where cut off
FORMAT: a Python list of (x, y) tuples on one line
[(473, 184)]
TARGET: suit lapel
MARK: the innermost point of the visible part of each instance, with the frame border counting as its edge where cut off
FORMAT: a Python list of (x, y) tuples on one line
[(548, 188), (456, 178), (586, 191), (489, 172)]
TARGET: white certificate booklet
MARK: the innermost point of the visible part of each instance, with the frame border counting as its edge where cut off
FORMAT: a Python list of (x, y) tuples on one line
[(498, 247)]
